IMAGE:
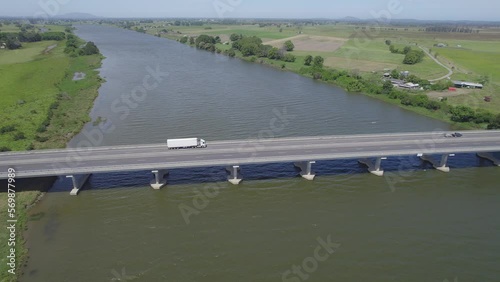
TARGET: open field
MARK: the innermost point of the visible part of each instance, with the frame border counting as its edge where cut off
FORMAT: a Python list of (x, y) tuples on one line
[(311, 43), (34, 82), (28, 53)]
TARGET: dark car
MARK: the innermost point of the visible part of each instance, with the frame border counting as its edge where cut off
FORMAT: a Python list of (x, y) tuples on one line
[(456, 134)]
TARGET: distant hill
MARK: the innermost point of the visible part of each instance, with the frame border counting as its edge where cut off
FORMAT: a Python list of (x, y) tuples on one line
[(77, 16)]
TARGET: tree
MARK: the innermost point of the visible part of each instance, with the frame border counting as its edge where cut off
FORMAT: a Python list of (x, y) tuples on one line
[(249, 49), (289, 46), (191, 41), (387, 87), (205, 39), (308, 60), (406, 50), (495, 122), (462, 114), (273, 54), (289, 58), (89, 49), (231, 53), (395, 74), (53, 36), (318, 61), (234, 37), (388, 42), (413, 57), (183, 40), (264, 50), (13, 44)]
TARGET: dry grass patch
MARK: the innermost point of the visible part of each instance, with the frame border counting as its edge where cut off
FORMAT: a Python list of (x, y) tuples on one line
[(361, 65), (311, 43)]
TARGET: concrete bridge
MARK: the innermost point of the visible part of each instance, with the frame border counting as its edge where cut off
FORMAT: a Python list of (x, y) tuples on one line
[(369, 149)]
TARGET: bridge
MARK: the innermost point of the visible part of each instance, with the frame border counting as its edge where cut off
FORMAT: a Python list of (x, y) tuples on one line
[(370, 149)]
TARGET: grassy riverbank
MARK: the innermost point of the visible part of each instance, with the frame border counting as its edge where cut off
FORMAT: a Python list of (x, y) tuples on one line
[(42, 107), (364, 50)]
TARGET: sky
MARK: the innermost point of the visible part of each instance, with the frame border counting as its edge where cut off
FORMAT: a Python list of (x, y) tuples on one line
[(488, 10)]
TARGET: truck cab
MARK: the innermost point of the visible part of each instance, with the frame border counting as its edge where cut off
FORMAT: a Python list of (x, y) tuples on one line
[(203, 143)]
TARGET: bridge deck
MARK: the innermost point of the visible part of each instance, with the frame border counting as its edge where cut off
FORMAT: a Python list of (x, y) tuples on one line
[(223, 153)]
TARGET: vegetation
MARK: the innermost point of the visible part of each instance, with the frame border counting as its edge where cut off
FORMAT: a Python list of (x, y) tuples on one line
[(42, 107)]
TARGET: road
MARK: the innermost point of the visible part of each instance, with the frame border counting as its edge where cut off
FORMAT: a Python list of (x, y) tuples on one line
[(450, 71), (240, 152)]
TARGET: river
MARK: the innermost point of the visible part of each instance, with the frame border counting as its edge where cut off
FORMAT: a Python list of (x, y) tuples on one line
[(413, 224)]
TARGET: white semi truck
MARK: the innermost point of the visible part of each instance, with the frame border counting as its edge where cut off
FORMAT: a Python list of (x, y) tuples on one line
[(186, 143)]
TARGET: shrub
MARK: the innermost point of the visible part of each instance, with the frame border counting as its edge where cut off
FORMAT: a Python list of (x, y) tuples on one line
[(19, 136), (7, 128)]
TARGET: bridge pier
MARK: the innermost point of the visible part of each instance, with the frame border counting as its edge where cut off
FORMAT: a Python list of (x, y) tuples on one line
[(374, 167), (441, 165), (159, 181), (489, 156), (234, 172), (78, 182), (306, 169)]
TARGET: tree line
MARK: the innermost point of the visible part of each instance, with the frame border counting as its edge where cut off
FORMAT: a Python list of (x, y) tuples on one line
[(74, 50), (459, 29), (411, 56), (353, 82), (14, 40)]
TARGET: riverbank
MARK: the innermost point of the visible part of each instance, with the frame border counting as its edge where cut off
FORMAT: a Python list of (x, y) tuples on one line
[(43, 109), (370, 85)]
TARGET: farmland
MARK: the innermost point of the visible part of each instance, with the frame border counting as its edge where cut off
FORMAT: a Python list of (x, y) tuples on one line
[(42, 107), (363, 48)]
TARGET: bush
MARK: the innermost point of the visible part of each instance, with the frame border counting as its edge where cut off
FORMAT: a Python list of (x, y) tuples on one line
[(495, 122), (462, 114), (89, 49), (5, 149), (318, 61), (308, 60), (7, 128), (41, 139), (58, 36), (19, 136), (413, 57), (42, 128), (289, 58)]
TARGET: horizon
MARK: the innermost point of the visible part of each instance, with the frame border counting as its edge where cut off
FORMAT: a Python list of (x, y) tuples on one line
[(257, 9)]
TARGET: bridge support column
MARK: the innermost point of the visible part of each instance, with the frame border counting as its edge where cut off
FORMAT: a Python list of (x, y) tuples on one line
[(306, 169), (234, 172), (159, 181), (374, 167), (441, 165), (78, 182), (489, 156)]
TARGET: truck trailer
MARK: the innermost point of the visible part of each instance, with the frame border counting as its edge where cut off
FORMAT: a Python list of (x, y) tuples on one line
[(185, 143)]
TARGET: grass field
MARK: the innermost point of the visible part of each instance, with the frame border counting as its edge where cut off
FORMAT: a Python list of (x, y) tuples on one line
[(31, 81), (28, 53)]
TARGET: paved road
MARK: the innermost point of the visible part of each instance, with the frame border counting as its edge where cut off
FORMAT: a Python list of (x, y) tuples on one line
[(240, 152), (450, 71)]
